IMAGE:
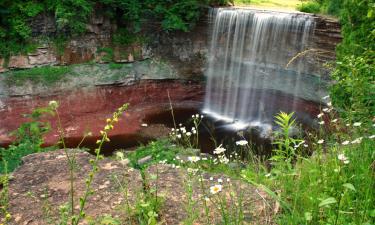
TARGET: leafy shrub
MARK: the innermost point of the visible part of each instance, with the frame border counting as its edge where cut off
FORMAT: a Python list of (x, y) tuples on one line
[(309, 7), (29, 138), (158, 150), (354, 90)]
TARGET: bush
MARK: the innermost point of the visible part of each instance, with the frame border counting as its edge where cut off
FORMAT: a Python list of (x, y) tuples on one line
[(29, 138), (309, 7)]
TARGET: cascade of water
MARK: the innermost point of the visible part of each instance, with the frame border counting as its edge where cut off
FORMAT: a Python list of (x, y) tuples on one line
[(247, 58)]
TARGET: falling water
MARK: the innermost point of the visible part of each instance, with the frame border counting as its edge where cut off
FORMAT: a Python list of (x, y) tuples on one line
[(247, 58)]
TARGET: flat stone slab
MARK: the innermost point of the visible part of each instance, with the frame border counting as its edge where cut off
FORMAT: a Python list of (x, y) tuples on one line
[(41, 185)]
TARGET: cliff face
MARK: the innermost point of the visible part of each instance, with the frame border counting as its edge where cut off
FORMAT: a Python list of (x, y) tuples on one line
[(92, 93), (185, 51)]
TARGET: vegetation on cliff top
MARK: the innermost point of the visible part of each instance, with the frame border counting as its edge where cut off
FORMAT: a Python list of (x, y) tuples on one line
[(71, 17)]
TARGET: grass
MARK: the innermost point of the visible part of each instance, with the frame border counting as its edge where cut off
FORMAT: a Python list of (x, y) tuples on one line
[(334, 185), (47, 75)]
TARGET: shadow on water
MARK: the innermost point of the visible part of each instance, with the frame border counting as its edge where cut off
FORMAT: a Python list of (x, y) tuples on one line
[(211, 134), (117, 142)]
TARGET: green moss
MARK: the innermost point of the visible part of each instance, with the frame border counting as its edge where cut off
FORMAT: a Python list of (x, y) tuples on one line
[(47, 75), (108, 57), (115, 66)]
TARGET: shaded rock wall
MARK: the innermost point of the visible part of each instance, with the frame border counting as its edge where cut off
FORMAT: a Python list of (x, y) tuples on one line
[(186, 51)]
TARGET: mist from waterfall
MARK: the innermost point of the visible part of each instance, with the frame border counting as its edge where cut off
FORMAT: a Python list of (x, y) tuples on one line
[(246, 63)]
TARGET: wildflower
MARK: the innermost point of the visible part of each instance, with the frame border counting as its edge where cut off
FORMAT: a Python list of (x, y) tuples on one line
[(241, 142), (321, 122), (180, 124), (53, 104), (228, 180), (343, 158), (108, 120), (347, 124), (305, 145), (326, 97), (223, 159), (89, 134), (144, 125), (206, 199), (194, 131), (321, 141), (357, 124), (188, 134), (190, 170), (220, 180), (178, 135), (372, 137), (219, 150), (268, 175), (115, 119), (326, 110), (334, 121), (320, 115), (172, 129), (183, 130), (211, 178), (345, 143), (194, 158), (329, 104), (357, 140), (215, 189)]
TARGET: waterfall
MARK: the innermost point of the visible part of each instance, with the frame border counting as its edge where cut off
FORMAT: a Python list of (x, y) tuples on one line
[(246, 63)]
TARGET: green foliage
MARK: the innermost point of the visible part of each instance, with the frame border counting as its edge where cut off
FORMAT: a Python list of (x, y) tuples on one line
[(59, 43), (159, 151), (46, 75), (331, 7), (123, 37), (354, 92), (286, 143), (29, 138), (72, 16), (309, 7)]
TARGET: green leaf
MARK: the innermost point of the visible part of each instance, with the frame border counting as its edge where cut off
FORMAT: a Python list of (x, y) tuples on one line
[(327, 201), (308, 216), (349, 186)]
